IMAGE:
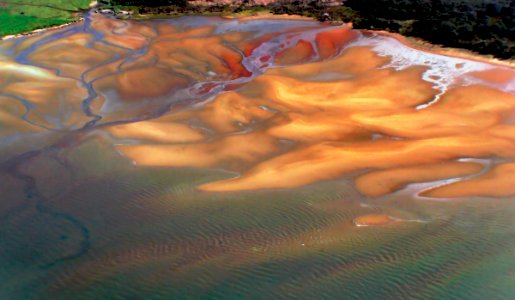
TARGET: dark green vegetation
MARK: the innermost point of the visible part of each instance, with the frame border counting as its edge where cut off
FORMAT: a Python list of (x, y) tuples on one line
[(482, 26), (176, 8), (18, 16), (151, 3)]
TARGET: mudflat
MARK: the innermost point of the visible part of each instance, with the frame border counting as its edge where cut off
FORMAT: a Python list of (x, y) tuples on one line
[(223, 158)]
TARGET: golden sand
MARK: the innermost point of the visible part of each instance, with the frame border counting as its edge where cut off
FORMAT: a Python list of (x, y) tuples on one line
[(380, 183), (498, 183), (359, 117), (158, 132), (372, 220)]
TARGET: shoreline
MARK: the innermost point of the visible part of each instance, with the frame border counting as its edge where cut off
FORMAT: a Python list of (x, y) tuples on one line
[(412, 42), (422, 45), (39, 30), (268, 16), (75, 16)]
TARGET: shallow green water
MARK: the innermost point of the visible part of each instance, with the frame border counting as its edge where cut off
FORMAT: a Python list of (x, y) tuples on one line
[(112, 230)]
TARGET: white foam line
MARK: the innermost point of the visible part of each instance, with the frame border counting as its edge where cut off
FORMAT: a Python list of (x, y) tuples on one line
[(416, 189), (442, 71), (486, 163)]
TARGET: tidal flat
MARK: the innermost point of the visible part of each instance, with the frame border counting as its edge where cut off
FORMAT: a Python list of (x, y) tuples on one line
[(252, 158)]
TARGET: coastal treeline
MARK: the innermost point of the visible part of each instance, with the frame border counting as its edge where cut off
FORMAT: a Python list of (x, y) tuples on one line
[(486, 27), (151, 3)]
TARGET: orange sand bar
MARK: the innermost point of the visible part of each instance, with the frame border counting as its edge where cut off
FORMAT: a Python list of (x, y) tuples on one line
[(343, 115)]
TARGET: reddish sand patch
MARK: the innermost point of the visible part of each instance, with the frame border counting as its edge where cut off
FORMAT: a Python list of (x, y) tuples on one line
[(329, 43), (301, 52), (495, 75), (372, 220), (265, 58), (233, 61)]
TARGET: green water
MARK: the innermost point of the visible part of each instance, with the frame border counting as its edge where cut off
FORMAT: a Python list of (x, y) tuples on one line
[(111, 230)]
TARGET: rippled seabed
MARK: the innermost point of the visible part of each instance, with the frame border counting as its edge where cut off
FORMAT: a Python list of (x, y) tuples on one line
[(251, 159)]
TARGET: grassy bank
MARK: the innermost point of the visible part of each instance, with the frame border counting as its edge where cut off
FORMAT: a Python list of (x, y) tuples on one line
[(19, 16)]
